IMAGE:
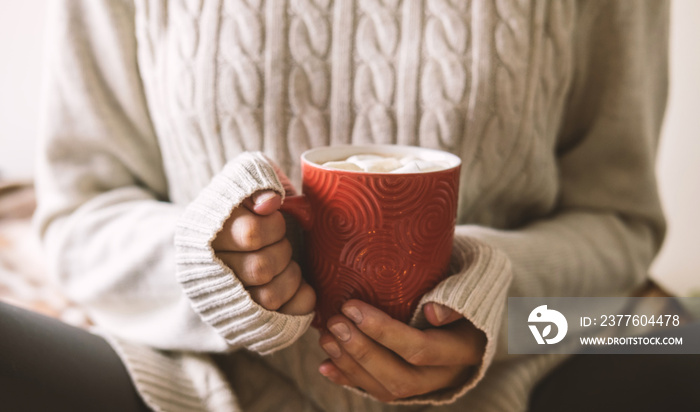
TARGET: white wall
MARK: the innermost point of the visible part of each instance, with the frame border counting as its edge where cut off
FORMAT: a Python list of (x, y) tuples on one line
[(678, 266), (21, 40)]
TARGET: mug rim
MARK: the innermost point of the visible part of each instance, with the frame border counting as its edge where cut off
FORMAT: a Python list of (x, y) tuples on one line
[(345, 151)]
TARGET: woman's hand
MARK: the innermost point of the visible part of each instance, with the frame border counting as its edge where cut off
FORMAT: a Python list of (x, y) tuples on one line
[(252, 243), (391, 360)]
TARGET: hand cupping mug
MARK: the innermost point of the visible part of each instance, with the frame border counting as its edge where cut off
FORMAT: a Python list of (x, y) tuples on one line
[(379, 224)]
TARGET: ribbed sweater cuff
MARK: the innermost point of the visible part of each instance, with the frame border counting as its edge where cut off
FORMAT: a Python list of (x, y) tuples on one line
[(478, 290), (175, 381), (215, 292)]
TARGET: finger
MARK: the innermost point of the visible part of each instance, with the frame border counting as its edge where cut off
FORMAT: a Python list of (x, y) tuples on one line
[(453, 345), (368, 362), (263, 202), (259, 267), (349, 372), (439, 315), (289, 189), (279, 290), (245, 231), (302, 302), (335, 375), (286, 183)]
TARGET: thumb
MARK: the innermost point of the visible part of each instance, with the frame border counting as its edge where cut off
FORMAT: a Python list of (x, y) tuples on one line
[(284, 179), (439, 315), (263, 202)]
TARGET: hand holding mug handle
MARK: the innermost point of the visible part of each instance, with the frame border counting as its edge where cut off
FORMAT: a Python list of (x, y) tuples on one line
[(253, 245)]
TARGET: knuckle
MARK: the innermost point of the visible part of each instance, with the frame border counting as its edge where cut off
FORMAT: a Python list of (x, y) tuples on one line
[(260, 269), (375, 328), (248, 233), (267, 298), (420, 357), (362, 354)]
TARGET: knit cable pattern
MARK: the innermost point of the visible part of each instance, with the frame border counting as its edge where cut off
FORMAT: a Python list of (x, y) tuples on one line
[(445, 80), (378, 34), (309, 77)]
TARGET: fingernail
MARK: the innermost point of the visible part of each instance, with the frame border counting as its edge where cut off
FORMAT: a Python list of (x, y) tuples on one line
[(353, 313), (332, 349), (323, 370), (341, 331), (264, 197), (441, 312)]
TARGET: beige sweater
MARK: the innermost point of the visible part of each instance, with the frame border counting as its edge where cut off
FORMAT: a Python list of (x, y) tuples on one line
[(155, 112)]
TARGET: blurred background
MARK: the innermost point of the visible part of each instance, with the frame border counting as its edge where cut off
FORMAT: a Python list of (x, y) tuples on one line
[(678, 266)]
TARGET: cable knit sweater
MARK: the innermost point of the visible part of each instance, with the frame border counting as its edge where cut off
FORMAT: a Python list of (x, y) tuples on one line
[(157, 112)]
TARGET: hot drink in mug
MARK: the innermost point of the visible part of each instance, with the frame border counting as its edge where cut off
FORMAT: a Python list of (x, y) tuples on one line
[(379, 224)]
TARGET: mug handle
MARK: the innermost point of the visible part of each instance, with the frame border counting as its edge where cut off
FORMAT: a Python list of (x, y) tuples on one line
[(300, 209)]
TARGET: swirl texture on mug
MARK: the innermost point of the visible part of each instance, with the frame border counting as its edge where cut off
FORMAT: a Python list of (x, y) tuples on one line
[(384, 239)]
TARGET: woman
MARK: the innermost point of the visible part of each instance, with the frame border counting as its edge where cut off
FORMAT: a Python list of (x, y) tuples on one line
[(150, 173)]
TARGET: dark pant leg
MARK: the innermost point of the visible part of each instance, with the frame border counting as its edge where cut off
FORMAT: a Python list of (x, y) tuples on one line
[(621, 383), (46, 365)]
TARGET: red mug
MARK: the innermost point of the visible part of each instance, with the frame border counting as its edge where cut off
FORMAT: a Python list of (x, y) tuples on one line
[(383, 238)]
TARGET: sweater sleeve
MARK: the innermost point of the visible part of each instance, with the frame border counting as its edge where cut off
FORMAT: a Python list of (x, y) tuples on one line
[(103, 211), (216, 293), (608, 224)]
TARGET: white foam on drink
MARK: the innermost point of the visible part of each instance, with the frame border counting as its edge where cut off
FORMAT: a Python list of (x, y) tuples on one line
[(387, 164)]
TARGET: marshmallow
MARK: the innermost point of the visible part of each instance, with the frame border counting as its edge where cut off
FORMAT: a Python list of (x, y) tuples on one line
[(386, 164), (342, 165)]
